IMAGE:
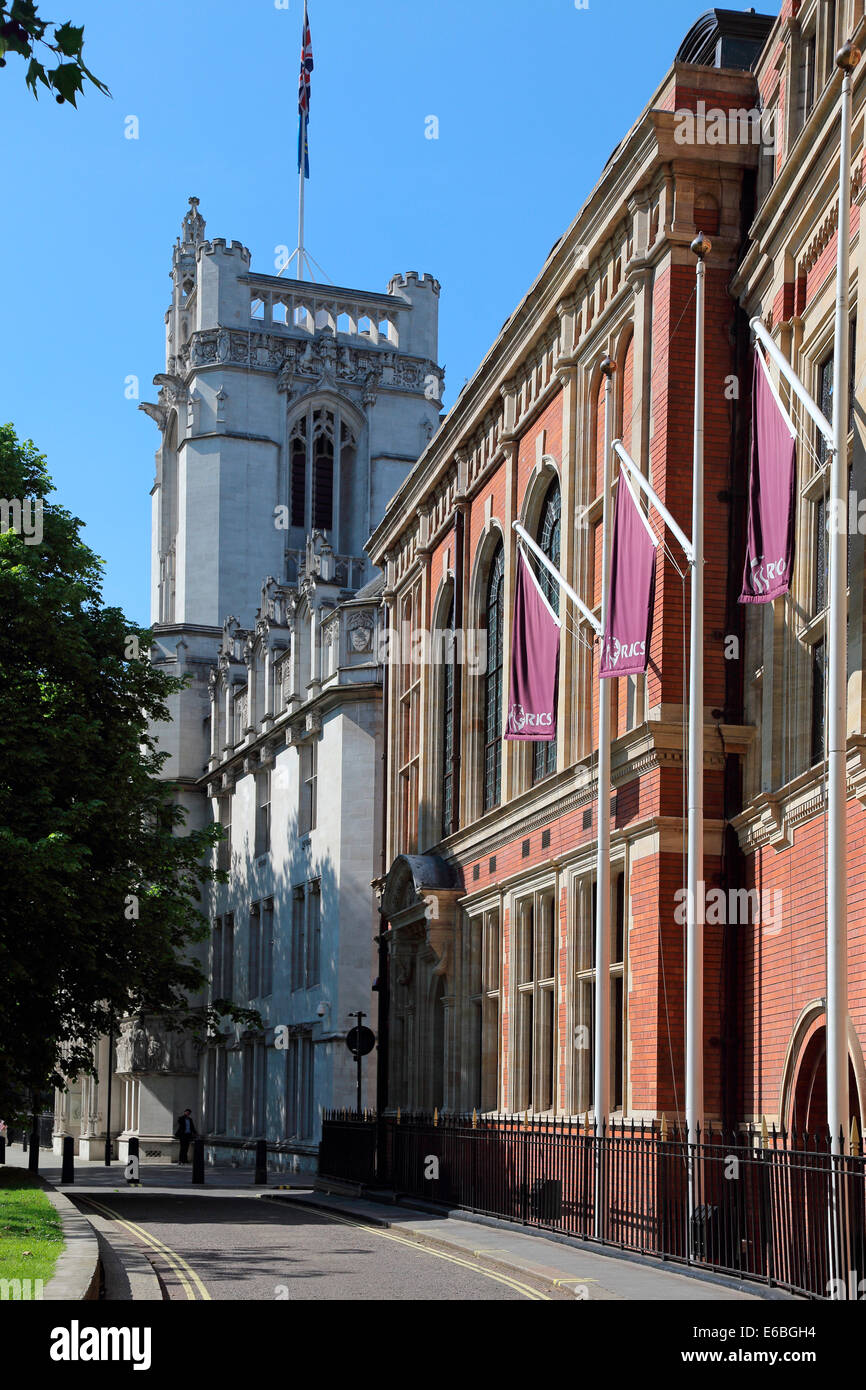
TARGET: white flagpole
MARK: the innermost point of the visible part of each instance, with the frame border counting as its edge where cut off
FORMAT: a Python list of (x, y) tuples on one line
[(303, 162), (793, 380), (563, 584), (633, 472), (601, 1080), (701, 247), (837, 644)]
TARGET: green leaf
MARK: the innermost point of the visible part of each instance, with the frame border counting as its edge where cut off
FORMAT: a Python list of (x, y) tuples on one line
[(69, 39), (67, 79), (36, 73), (24, 12), (100, 86), (17, 41)]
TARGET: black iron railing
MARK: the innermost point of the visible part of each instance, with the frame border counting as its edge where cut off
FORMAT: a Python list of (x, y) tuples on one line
[(763, 1205)]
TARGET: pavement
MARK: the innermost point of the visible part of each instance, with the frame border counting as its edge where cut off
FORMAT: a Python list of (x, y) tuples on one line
[(231, 1240)]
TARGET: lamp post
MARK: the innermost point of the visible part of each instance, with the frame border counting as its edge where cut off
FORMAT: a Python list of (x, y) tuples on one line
[(108, 1102)]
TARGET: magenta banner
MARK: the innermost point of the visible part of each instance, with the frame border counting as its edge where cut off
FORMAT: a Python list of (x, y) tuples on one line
[(534, 662), (626, 642), (772, 483)]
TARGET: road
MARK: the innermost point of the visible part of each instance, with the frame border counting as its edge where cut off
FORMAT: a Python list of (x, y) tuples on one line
[(226, 1247)]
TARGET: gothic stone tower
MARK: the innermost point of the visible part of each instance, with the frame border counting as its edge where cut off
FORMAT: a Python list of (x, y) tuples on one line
[(286, 408)]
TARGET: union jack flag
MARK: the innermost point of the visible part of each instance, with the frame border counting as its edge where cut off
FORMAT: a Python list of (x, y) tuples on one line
[(304, 97)]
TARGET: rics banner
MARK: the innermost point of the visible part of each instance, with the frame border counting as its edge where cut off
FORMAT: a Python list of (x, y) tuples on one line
[(534, 662), (772, 481), (626, 641)]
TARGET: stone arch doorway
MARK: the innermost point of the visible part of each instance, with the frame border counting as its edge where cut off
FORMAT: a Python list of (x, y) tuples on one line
[(809, 1094)]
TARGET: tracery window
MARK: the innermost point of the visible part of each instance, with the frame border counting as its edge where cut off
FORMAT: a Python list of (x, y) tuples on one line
[(493, 681), (448, 748), (548, 537)]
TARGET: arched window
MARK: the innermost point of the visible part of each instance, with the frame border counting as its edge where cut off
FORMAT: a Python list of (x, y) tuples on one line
[(544, 754), (312, 445), (493, 681), (323, 471), (298, 482), (448, 692)]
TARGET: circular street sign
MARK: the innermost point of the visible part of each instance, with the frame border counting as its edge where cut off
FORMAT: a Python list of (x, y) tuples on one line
[(360, 1040)]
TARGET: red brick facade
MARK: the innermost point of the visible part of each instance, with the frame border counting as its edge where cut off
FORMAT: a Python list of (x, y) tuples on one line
[(482, 1003)]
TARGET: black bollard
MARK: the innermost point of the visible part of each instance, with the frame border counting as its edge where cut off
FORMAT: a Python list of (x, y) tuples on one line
[(261, 1177), (33, 1157), (198, 1160), (2, 1148), (131, 1172), (67, 1173)]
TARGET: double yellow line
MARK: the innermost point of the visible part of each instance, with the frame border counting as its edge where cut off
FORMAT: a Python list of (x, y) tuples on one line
[(525, 1289), (186, 1275)]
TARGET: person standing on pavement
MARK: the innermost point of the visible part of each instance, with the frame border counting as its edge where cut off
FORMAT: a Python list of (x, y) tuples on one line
[(185, 1132)]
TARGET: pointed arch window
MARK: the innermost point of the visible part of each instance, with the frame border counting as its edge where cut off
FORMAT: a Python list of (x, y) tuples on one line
[(298, 481), (493, 681), (548, 538), (323, 471), (448, 746)]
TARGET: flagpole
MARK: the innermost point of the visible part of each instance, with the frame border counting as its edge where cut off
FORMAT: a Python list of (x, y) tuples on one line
[(646, 486), (601, 1080), (581, 607), (701, 246), (837, 644), (793, 380), (303, 161)]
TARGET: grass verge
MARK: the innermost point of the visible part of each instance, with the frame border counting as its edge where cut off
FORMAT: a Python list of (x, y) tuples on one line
[(31, 1236)]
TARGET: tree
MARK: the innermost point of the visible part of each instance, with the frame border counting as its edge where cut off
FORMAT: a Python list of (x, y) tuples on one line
[(22, 31), (98, 885)]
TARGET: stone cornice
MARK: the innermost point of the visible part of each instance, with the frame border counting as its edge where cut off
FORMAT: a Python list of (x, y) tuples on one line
[(813, 144), (290, 730), (772, 817), (647, 153), (642, 751)]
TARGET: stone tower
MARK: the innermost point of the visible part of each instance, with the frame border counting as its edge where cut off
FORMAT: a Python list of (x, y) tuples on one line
[(284, 407), (287, 410)]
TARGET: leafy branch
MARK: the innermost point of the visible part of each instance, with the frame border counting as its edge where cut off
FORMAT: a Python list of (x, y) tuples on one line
[(21, 29)]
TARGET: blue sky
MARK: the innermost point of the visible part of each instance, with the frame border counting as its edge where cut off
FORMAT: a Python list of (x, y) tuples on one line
[(531, 99)]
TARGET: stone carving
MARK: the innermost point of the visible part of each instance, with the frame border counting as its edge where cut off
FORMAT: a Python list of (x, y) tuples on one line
[(159, 414), (131, 1047), (172, 388), (407, 374), (203, 349), (361, 632), (153, 1048), (193, 224)]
